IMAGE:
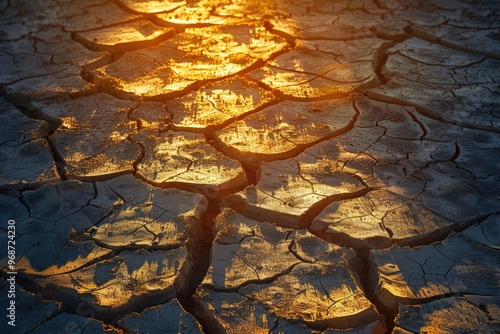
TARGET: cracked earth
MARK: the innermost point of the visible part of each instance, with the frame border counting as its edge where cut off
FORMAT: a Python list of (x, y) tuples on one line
[(286, 166)]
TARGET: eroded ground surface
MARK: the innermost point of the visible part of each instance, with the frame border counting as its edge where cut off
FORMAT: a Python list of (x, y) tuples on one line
[(282, 166)]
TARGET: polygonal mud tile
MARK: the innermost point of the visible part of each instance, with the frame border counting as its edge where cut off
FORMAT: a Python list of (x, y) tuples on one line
[(189, 58), (485, 233), (73, 15), (304, 279), (468, 14), (63, 49), (322, 68), (145, 217), (291, 192), (23, 18), (136, 75), (234, 313), (216, 52), (465, 314), (185, 160), (96, 16), (62, 82), (455, 266), (33, 68), (315, 25), (20, 61), (478, 152), (284, 130), (216, 104), (82, 109), (323, 295), (37, 163), (411, 222), (28, 75), (411, 170), (58, 215), (459, 201), (93, 139), (351, 223), (233, 11), (26, 156), (422, 54), (378, 219), (124, 37), (260, 255), (126, 244), (152, 116), (130, 279), (166, 318), (442, 83)]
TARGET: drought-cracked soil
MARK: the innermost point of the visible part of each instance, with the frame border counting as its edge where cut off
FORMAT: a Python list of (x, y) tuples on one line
[(232, 166)]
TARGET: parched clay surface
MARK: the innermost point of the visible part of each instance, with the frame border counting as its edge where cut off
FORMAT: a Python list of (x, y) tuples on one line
[(282, 166)]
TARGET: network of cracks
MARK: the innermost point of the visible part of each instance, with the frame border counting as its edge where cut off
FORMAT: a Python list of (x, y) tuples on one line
[(287, 166)]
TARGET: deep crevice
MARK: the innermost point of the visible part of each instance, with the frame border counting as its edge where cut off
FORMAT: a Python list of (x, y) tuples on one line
[(200, 250), (314, 210), (58, 159), (379, 61), (23, 202), (252, 176), (361, 266), (289, 38), (420, 124), (140, 157)]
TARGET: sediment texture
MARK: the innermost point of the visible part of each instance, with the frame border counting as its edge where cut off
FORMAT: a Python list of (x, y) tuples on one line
[(241, 167)]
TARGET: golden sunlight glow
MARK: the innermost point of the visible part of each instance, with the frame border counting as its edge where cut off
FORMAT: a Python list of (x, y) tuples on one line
[(216, 52), (153, 6), (264, 108)]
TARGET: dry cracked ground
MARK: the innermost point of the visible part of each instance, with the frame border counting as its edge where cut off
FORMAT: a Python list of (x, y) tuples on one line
[(232, 166)]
